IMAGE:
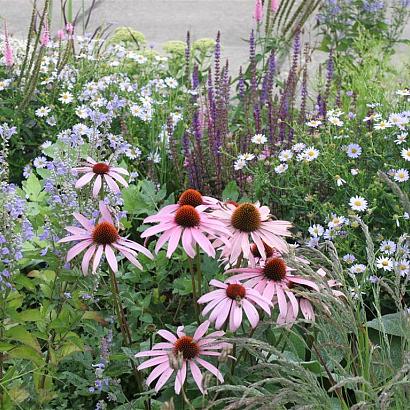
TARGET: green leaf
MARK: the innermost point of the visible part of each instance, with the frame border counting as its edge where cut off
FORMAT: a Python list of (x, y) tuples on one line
[(29, 315), (32, 187), (396, 324), (231, 192), (27, 353), (20, 334)]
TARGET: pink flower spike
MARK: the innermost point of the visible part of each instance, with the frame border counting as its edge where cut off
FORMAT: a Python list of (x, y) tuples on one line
[(251, 222), (101, 171), (258, 13), (61, 35), (181, 351), (187, 224), (274, 5), (8, 51), (45, 34), (101, 238)]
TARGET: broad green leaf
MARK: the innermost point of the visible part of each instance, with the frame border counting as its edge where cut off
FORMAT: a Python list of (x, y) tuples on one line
[(32, 187), (29, 315), (27, 353), (20, 334), (396, 324)]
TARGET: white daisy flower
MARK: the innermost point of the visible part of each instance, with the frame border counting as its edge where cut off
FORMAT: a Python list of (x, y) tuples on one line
[(300, 146), (316, 230), (405, 153), (358, 203), (354, 171), (66, 98), (357, 268), (388, 247), (310, 154), (403, 267), (382, 125), (42, 112), (354, 150), (339, 180), (314, 123), (401, 138), (285, 155), (404, 93), (336, 121), (349, 258), (401, 175), (281, 168), (239, 164), (384, 263), (259, 139)]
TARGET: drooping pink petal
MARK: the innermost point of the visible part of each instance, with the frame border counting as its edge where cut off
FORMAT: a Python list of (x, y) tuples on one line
[(173, 242), (97, 186), (157, 372), (75, 238), (111, 259), (76, 231), (78, 248), (180, 331), (167, 335), (84, 180), (302, 281), (164, 239), (163, 379), (251, 313), (293, 301), (136, 246), (86, 259), (221, 313), (307, 309), (218, 284), (219, 293), (197, 375), (148, 353), (235, 317), (91, 161), (128, 255), (112, 184), (187, 243), (203, 242), (211, 305), (157, 229), (162, 345), (119, 170), (180, 377), (118, 177), (283, 304), (97, 257), (211, 368), (153, 362)]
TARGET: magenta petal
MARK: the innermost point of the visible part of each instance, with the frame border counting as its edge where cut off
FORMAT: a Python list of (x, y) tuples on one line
[(157, 372), (84, 180), (86, 259), (111, 259), (153, 362), (163, 379), (78, 248), (180, 378), (97, 257), (197, 375), (97, 186), (201, 330), (251, 313), (211, 368), (112, 184), (167, 335)]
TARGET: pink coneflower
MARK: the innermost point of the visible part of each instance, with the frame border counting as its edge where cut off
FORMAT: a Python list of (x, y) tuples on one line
[(273, 279), (102, 238), (306, 307), (229, 301), (258, 13), (191, 224), (251, 221), (101, 170), (189, 197), (8, 50), (179, 352)]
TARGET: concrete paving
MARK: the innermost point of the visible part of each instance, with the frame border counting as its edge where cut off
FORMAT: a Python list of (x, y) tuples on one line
[(163, 20)]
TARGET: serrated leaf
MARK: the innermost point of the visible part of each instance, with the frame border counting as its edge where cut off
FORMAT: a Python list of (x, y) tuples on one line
[(27, 353), (20, 334)]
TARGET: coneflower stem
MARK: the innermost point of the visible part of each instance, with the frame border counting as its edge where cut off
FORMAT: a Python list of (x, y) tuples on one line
[(198, 270), (194, 294), (125, 329)]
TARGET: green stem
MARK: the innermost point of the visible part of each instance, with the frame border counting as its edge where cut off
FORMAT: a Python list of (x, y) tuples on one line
[(194, 293), (125, 329), (198, 270)]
